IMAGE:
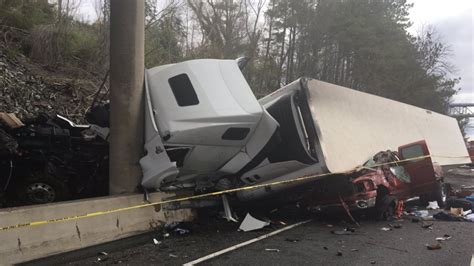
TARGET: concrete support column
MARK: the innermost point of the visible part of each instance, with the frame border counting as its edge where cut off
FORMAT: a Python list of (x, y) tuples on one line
[(127, 37)]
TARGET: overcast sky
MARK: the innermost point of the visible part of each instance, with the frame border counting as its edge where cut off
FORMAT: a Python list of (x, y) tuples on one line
[(454, 20)]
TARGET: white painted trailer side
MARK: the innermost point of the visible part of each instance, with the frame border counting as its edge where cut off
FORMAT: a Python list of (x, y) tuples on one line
[(352, 126)]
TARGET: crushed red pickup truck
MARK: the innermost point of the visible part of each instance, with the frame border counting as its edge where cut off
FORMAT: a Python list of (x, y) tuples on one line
[(383, 181)]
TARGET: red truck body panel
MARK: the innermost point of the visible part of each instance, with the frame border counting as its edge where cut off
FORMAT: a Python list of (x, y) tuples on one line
[(359, 189)]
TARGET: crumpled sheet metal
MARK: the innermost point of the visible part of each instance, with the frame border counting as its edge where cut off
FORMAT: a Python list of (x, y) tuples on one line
[(250, 223)]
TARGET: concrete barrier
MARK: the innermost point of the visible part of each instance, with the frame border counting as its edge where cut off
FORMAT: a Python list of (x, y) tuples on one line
[(28, 243)]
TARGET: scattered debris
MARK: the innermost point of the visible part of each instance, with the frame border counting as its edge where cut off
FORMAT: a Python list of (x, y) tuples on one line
[(396, 226), (250, 223), (432, 205), (427, 225), (102, 256), (100, 259), (227, 210), (354, 250), (348, 211), (343, 232), (292, 240), (156, 242), (372, 262), (421, 213), (460, 203), (443, 238), (325, 248), (449, 217), (456, 211), (470, 217), (433, 246), (179, 228), (173, 255), (400, 209), (386, 229), (272, 250), (339, 253), (181, 231)]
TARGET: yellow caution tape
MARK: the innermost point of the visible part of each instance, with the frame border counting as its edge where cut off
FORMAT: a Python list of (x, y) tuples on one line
[(217, 193)]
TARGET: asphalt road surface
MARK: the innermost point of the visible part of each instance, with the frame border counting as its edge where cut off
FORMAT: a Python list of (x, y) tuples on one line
[(309, 244)]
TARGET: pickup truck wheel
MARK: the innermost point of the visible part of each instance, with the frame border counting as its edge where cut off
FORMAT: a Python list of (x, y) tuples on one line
[(385, 207), (41, 188)]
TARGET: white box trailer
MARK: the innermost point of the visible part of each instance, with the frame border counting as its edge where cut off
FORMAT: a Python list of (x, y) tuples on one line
[(330, 128)]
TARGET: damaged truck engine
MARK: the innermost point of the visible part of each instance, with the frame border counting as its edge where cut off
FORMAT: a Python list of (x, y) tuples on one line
[(51, 159)]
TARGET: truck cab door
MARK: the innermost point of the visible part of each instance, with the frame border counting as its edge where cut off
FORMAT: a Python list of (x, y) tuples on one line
[(420, 169)]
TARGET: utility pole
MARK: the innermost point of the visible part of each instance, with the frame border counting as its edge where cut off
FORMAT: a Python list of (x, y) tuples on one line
[(127, 37)]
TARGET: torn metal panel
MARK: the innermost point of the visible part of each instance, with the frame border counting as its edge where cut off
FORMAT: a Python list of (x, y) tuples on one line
[(250, 223), (352, 126)]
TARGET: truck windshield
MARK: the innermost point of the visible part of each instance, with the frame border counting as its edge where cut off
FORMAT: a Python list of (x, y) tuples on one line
[(297, 138)]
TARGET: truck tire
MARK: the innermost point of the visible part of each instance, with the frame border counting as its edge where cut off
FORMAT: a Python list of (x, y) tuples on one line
[(385, 207), (40, 188)]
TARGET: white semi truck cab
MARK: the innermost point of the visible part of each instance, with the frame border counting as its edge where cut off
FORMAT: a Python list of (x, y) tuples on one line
[(202, 122)]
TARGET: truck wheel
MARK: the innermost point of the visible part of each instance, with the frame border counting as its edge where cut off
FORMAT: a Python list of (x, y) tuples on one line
[(385, 207), (41, 188), (440, 194)]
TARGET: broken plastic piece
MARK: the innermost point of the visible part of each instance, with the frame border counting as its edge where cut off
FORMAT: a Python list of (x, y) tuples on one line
[(470, 217), (386, 229), (444, 238), (227, 210), (432, 205), (156, 242), (181, 231), (272, 250), (250, 223)]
